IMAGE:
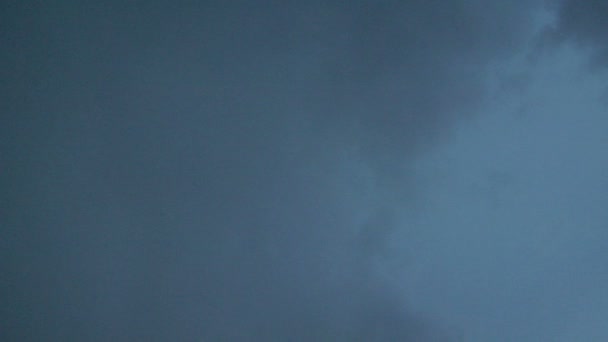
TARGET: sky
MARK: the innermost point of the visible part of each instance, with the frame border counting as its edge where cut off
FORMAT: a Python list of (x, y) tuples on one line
[(304, 171)]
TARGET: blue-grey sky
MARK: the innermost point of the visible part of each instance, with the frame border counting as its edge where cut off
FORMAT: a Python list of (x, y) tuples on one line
[(304, 171)]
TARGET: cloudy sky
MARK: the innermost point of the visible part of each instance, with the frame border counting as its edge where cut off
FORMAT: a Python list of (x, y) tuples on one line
[(304, 170)]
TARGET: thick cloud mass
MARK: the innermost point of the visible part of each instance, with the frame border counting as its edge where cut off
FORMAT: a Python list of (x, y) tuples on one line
[(586, 23), (231, 171)]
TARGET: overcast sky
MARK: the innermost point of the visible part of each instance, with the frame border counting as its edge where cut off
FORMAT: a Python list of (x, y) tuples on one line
[(304, 170)]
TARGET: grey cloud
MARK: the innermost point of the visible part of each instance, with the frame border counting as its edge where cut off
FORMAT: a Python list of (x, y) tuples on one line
[(185, 173), (585, 23)]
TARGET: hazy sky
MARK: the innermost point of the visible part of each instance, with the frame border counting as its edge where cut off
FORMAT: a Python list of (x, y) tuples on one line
[(304, 170)]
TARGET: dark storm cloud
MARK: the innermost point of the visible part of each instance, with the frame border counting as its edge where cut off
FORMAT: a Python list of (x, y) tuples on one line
[(585, 23), (225, 170)]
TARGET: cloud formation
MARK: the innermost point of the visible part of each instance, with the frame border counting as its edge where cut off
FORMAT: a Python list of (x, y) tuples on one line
[(227, 171), (586, 24)]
